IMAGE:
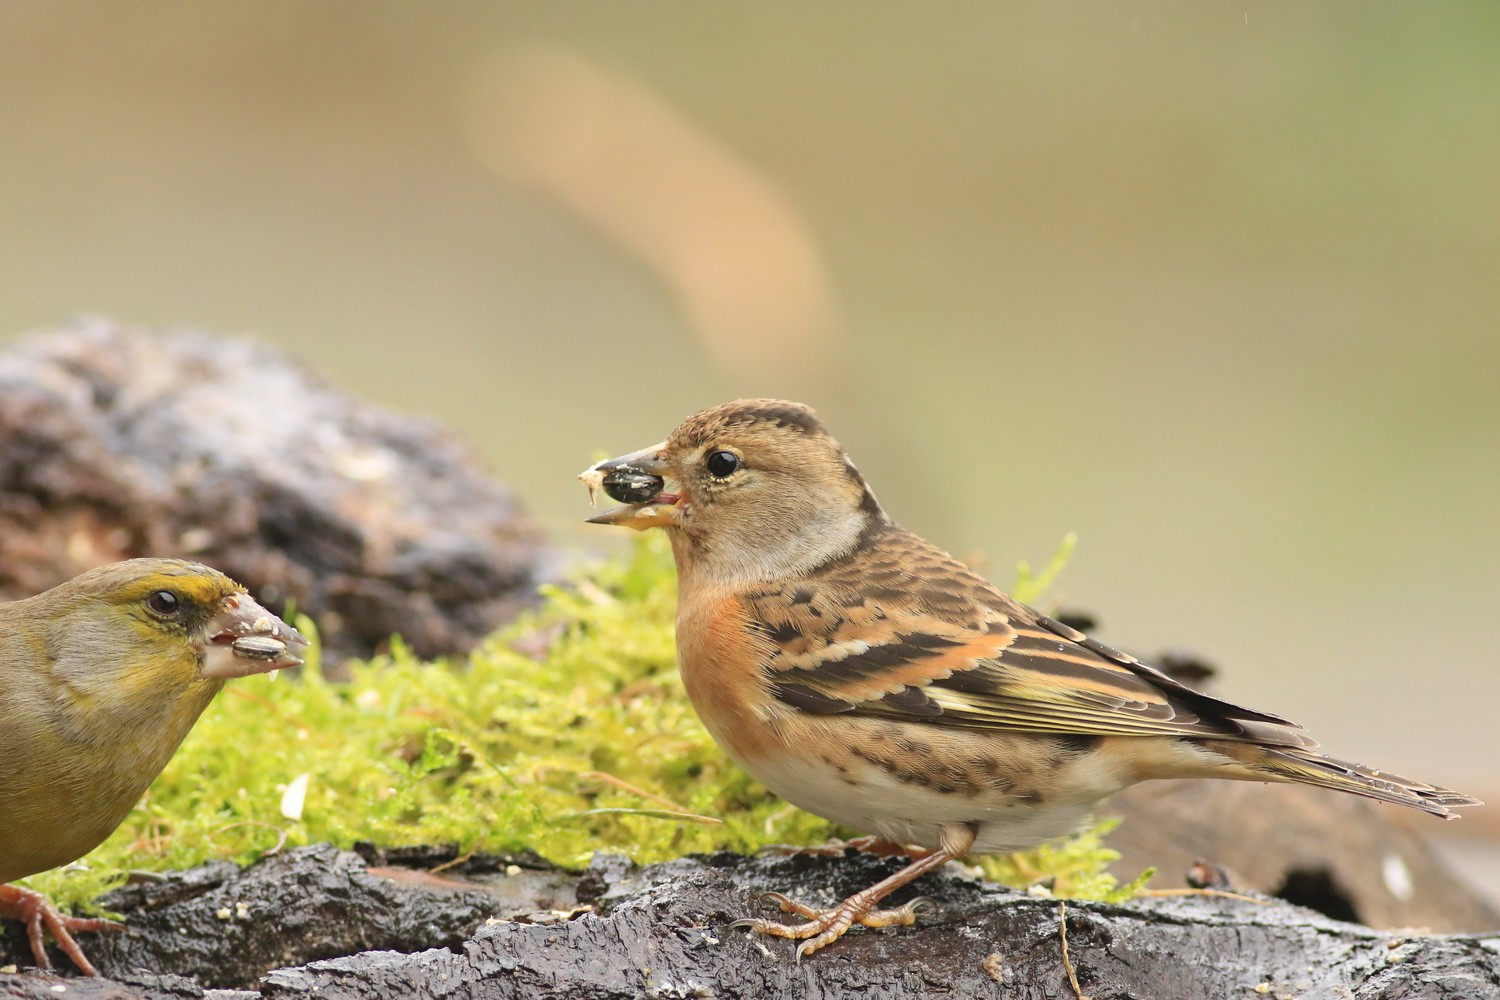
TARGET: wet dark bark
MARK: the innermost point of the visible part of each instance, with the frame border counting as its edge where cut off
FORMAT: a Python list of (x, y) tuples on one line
[(274, 929)]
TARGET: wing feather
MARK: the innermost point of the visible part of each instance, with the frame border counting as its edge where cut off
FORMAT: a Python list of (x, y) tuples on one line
[(934, 643)]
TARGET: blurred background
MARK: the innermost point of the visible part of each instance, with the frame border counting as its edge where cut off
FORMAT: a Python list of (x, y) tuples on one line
[(1215, 286)]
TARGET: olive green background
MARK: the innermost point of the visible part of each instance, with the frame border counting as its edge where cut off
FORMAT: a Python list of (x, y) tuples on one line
[(1215, 285)]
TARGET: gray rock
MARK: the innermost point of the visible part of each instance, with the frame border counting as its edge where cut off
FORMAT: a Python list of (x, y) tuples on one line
[(118, 442)]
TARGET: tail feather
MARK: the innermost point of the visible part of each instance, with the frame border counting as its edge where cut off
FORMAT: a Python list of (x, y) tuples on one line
[(1304, 767)]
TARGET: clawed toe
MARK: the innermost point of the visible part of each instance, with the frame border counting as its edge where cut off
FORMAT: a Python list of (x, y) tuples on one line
[(41, 917), (919, 904), (789, 905), (823, 927), (757, 925), (901, 916)]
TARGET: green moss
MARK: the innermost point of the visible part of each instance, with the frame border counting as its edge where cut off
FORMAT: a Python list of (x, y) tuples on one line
[(533, 743), (1075, 868)]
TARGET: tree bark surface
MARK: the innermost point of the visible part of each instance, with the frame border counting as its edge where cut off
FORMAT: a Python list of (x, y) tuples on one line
[(321, 923)]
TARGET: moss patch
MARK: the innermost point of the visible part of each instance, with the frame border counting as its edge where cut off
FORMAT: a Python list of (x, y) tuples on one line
[(567, 733)]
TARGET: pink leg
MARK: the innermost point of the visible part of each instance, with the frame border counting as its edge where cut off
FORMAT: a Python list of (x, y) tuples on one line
[(826, 926), (33, 910)]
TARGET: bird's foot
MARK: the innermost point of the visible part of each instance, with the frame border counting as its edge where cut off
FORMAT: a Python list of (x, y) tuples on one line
[(39, 915), (823, 927)]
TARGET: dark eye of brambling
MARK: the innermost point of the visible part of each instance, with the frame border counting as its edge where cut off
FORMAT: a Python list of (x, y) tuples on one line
[(722, 464), (164, 603)]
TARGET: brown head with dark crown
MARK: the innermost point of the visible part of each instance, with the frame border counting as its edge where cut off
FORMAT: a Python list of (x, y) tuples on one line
[(763, 478)]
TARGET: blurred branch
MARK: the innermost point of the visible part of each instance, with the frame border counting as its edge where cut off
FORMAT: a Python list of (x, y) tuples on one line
[(725, 241)]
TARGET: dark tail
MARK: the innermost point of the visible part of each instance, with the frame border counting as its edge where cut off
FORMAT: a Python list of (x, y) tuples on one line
[(1305, 767)]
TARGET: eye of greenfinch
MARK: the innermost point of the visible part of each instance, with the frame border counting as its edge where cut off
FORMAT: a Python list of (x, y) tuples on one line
[(164, 603)]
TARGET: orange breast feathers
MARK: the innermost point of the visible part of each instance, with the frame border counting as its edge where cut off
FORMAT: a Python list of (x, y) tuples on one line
[(723, 656)]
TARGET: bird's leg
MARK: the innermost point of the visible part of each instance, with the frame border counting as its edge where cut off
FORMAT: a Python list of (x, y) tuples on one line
[(826, 926), (32, 909)]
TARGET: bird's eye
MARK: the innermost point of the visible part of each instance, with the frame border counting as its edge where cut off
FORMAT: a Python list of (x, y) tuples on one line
[(164, 603), (721, 464)]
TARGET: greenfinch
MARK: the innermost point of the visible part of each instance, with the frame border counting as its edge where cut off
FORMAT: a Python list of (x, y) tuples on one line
[(100, 680)]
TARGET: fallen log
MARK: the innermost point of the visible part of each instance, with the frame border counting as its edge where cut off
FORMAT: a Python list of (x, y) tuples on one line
[(493, 929)]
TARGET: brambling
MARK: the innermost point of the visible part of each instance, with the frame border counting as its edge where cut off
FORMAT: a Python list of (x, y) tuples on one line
[(867, 676), (101, 678)]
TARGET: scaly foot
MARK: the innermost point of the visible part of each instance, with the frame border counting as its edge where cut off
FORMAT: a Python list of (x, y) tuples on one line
[(32, 909), (826, 926)]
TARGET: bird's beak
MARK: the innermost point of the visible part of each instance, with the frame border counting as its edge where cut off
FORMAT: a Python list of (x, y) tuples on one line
[(244, 638), (661, 511)]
